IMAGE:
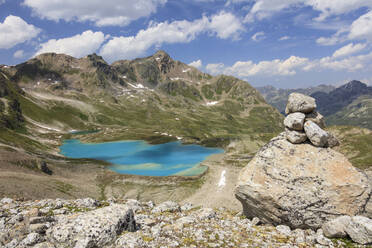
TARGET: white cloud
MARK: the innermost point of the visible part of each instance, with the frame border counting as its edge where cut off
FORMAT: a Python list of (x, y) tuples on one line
[(360, 29), (197, 64), (157, 34), (336, 7), (284, 38), (268, 68), (258, 36), (102, 13), (2, 1), (77, 46), (226, 25), (266, 8), (19, 54), (293, 65), (351, 64), (14, 30), (348, 50)]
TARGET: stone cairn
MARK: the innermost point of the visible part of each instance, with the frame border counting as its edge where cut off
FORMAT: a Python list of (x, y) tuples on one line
[(303, 122)]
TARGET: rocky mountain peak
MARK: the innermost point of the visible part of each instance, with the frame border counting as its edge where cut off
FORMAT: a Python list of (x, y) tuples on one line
[(164, 61), (354, 87)]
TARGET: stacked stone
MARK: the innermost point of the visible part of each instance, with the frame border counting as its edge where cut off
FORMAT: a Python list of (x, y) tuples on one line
[(303, 122)]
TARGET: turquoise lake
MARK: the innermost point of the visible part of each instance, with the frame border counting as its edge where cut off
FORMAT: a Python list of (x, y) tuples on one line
[(141, 158)]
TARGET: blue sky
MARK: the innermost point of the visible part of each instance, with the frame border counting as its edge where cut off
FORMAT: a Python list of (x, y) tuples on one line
[(284, 43)]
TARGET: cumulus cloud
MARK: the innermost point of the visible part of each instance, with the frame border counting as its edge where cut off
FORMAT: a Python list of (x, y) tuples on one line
[(351, 64), (156, 34), (77, 46), (258, 36), (197, 64), (360, 29), (19, 54), (226, 25), (348, 50), (269, 68), (102, 13), (266, 8), (14, 30), (292, 65)]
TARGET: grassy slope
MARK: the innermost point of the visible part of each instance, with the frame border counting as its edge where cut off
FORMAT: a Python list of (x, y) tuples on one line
[(358, 113), (356, 144)]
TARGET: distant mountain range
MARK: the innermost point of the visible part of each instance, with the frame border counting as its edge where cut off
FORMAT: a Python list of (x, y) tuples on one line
[(349, 104), (154, 98)]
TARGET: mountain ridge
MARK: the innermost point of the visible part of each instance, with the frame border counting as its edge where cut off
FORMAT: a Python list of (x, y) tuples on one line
[(349, 104)]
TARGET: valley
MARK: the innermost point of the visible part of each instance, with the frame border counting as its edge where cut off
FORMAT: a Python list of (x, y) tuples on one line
[(156, 99)]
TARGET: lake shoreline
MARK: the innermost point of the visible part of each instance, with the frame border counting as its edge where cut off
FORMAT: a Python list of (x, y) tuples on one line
[(141, 158)]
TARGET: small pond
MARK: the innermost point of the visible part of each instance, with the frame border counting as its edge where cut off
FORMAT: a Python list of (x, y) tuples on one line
[(141, 158)]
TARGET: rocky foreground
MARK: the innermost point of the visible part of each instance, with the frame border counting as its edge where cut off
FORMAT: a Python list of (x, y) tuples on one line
[(129, 223)]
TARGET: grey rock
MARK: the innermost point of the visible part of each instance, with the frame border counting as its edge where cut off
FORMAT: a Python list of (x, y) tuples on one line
[(368, 209), (183, 221), (205, 213), (44, 245), (301, 186), (134, 205), (43, 166), (59, 211), (360, 230), (167, 206), (299, 236), (32, 239), (130, 240), (15, 219), (295, 137), (284, 230), (336, 228), (332, 141), (87, 203), (300, 103), (12, 244), (92, 229), (295, 121), (317, 118), (321, 239), (255, 221), (317, 136), (41, 219), (38, 228), (6, 201), (187, 206)]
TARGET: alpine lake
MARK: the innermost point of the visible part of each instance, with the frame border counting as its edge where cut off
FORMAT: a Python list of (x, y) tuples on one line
[(142, 158)]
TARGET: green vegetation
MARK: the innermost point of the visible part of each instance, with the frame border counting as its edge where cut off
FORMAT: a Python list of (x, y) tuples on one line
[(356, 144)]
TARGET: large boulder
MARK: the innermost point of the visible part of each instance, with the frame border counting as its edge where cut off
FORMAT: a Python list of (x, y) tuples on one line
[(316, 135), (92, 229), (300, 185), (298, 102)]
